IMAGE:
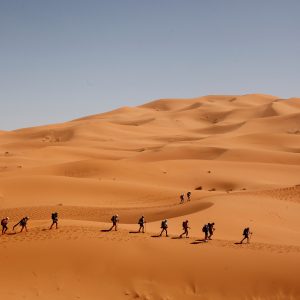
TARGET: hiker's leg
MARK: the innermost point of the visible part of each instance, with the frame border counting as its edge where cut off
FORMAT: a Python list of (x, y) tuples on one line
[(166, 232)]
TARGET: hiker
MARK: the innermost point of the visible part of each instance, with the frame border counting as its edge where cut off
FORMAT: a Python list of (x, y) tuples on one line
[(185, 227), (188, 194), (181, 198), (54, 217), (115, 221), (246, 234), (205, 230), (142, 222), (22, 223), (211, 229), (164, 227), (4, 223)]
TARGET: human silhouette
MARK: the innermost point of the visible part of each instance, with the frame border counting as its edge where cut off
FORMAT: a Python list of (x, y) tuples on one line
[(188, 194), (164, 227), (185, 227), (22, 223), (4, 223), (211, 230), (181, 198), (246, 234), (142, 222), (54, 217), (205, 230), (115, 221)]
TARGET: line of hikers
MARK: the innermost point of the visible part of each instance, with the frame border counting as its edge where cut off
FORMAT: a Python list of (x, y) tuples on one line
[(188, 197), (23, 223), (208, 229)]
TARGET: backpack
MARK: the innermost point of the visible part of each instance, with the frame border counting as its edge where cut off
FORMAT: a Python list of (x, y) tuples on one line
[(54, 216), (204, 228), (164, 224), (246, 231), (3, 223), (184, 224), (141, 221), (23, 222)]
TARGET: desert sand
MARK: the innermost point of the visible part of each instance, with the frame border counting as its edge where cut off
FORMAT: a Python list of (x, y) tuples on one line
[(238, 155)]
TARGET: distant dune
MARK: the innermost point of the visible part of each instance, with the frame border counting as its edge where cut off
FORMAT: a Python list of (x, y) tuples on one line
[(238, 155)]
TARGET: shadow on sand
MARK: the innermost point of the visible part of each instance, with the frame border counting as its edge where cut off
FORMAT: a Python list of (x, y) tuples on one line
[(105, 230), (176, 238), (199, 242)]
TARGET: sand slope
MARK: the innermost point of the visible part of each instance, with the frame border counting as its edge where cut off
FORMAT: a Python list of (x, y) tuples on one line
[(238, 155)]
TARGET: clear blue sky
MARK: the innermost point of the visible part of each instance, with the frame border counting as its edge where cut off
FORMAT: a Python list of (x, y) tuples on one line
[(65, 59)]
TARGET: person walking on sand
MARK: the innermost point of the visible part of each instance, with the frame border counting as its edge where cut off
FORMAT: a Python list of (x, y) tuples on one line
[(4, 223), (205, 230), (22, 223), (164, 227), (246, 234), (142, 222), (54, 217), (185, 227), (115, 221), (211, 230), (188, 194), (181, 198)]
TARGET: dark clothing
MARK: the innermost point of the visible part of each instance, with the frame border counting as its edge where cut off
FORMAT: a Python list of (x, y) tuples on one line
[(141, 222), (115, 220), (22, 223), (205, 230), (164, 227), (54, 218), (210, 229), (4, 223), (246, 234), (185, 226)]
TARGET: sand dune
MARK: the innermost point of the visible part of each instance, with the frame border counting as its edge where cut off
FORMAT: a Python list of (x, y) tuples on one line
[(238, 155)]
